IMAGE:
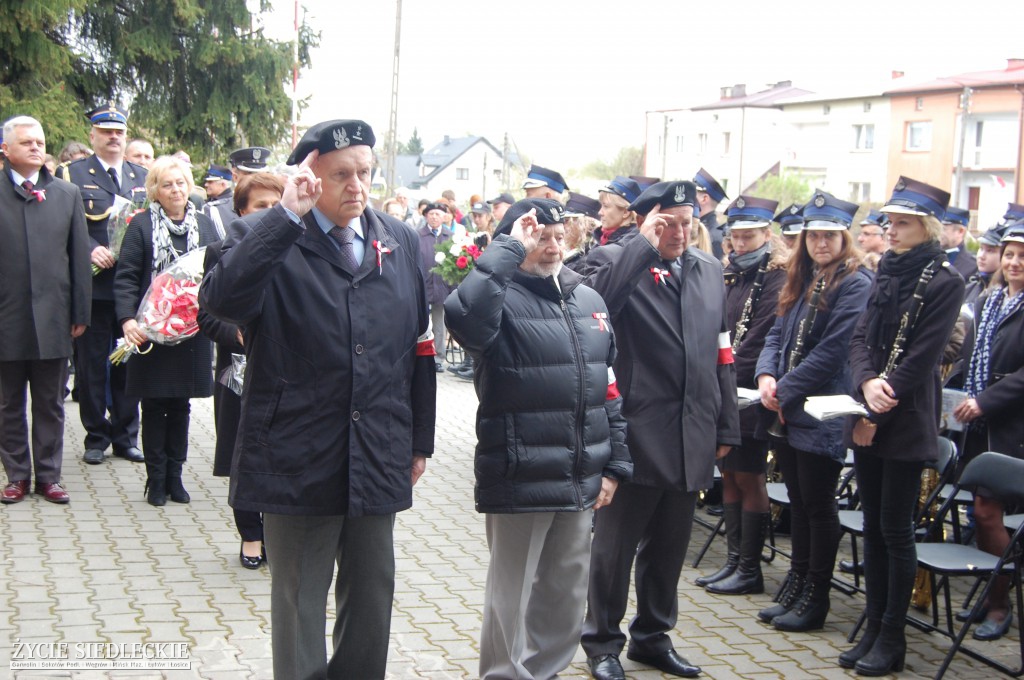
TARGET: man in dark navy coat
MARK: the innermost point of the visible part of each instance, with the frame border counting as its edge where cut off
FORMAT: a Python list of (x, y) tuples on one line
[(338, 404), (107, 182)]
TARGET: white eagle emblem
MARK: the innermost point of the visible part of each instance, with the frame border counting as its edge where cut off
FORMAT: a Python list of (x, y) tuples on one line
[(340, 138), (256, 153), (680, 196), (554, 215)]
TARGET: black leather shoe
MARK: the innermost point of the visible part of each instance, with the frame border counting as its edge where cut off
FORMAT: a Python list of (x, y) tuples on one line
[(606, 667), (991, 629), (439, 368), (965, 614), (667, 662), (132, 453), (93, 456), (250, 562), (848, 567)]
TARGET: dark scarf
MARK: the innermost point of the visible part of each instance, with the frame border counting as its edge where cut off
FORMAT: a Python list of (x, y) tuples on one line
[(896, 280)]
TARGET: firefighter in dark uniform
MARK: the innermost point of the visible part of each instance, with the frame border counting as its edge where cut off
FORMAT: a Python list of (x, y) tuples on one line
[(709, 194), (108, 182), (220, 206)]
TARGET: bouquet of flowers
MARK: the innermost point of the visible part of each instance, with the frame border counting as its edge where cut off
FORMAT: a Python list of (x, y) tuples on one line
[(117, 225), (456, 258), (169, 310)]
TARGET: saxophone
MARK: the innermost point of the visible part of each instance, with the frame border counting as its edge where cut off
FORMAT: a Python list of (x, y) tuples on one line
[(796, 355), (921, 597)]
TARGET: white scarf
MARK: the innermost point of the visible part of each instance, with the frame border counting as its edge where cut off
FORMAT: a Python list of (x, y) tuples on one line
[(163, 250)]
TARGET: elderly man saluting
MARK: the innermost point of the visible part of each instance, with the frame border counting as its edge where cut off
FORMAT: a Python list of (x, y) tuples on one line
[(338, 405), (551, 441)]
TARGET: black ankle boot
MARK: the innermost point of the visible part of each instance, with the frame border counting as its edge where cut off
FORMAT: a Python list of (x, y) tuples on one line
[(747, 579), (732, 512), (850, 657), (886, 655), (156, 493), (809, 612), (791, 590)]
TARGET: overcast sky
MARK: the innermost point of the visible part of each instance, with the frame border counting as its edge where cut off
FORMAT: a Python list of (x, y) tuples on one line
[(570, 80)]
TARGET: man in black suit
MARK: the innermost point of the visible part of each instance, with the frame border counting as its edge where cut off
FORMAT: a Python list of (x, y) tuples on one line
[(954, 228), (107, 182), (44, 303)]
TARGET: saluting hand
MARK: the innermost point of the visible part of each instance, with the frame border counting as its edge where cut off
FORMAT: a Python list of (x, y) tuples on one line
[(302, 191), (525, 230), (653, 226)]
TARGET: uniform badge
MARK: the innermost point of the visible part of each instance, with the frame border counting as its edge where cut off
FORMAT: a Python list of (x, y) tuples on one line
[(341, 138), (793, 210), (740, 203), (680, 196), (900, 186), (554, 215), (256, 153), (358, 134), (819, 201)]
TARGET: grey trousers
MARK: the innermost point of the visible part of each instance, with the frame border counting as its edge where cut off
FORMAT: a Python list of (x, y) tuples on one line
[(302, 552), (46, 378), (535, 595), (440, 331)]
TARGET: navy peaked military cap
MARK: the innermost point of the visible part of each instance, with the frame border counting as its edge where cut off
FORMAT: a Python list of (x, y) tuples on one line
[(877, 218), (825, 212), (109, 117), (578, 204), (250, 159), (911, 197), (549, 211), (502, 198), (994, 235), (956, 215), (217, 172), (645, 182), (542, 177), (332, 135), (667, 195), (750, 212), (1014, 233), (1014, 213), (623, 187), (791, 219), (705, 182)]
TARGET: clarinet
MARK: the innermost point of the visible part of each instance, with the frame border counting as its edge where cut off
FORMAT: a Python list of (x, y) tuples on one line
[(742, 326), (796, 355), (908, 320)]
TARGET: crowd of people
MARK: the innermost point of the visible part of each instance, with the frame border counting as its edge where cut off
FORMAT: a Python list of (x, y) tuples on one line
[(606, 339)]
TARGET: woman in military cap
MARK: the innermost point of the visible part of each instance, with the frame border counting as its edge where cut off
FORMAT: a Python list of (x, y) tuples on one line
[(995, 391), (894, 357), (805, 355)]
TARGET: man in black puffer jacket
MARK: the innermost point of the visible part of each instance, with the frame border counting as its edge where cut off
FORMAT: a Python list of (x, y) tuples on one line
[(551, 439)]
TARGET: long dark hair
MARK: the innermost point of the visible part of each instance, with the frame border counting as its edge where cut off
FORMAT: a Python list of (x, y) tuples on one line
[(800, 279)]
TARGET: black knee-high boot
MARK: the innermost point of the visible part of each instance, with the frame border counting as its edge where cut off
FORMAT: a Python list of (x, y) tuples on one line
[(747, 579), (177, 453), (732, 513), (154, 448)]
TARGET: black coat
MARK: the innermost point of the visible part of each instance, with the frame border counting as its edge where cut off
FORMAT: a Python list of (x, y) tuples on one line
[(227, 406), (339, 390), (825, 368), (181, 370), (98, 194), (738, 286), (717, 233), (679, 394), (45, 276), (965, 262), (909, 431), (1002, 402), (547, 428)]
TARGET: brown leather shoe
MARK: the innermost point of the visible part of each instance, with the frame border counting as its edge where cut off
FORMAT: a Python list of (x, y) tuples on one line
[(14, 492), (53, 492)]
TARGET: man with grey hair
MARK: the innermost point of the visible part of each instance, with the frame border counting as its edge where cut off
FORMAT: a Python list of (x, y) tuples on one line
[(44, 303)]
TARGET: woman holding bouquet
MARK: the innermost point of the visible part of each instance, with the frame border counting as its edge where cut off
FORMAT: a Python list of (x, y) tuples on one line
[(894, 357), (166, 377), (805, 355)]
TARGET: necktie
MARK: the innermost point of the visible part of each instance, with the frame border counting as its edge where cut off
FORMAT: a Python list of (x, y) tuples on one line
[(27, 185), (113, 178), (344, 238)]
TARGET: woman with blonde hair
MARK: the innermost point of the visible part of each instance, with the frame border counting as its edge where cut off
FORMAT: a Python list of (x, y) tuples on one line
[(894, 358), (804, 355), (166, 377)]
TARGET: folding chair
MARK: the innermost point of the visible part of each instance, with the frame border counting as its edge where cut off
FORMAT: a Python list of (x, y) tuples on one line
[(1003, 478)]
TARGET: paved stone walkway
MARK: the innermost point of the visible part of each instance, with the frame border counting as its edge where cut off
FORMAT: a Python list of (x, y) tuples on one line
[(109, 568)]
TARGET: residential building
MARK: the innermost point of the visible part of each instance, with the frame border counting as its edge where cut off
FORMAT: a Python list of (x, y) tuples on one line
[(466, 165), (962, 133), (737, 138)]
